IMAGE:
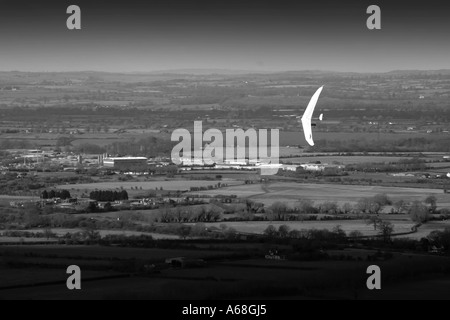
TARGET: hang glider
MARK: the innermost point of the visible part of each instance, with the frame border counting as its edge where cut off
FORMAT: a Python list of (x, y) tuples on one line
[(308, 116)]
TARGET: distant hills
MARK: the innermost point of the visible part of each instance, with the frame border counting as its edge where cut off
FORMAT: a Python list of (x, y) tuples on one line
[(217, 72)]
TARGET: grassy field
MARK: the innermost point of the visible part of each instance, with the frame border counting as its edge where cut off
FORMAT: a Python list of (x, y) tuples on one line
[(435, 288), (244, 191), (171, 185), (15, 277), (253, 279)]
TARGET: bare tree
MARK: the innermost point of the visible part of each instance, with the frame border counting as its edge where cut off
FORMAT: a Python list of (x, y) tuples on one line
[(382, 199), (374, 220), (306, 206), (165, 214), (271, 231), (355, 234), (369, 205), (418, 212), (283, 231), (329, 207), (432, 202), (347, 208), (279, 209), (400, 206), (48, 233), (386, 230)]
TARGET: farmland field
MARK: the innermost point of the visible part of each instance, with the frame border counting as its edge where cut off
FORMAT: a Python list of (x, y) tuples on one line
[(345, 193), (17, 198), (345, 159), (171, 185), (245, 191), (291, 193)]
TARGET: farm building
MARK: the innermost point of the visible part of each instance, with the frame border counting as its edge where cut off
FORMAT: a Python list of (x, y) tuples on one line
[(126, 163), (325, 168), (290, 167)]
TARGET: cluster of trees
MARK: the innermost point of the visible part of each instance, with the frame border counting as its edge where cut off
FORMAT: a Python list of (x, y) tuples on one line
[(9, 184), (31, 185), (52, 194), (285, 231), (373, 205), (440, 238), (108, 195), (419, 211), (385, 230)]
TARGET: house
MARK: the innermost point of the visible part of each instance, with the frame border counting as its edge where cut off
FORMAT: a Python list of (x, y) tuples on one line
[(183, 262), (436, 250)]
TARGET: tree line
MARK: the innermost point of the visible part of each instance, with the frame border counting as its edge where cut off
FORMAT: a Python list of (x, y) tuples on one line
[(108, 195), (52, 194), (418, 211)]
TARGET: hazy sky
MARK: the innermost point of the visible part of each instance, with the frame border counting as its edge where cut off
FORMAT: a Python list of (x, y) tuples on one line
[(132, 35)]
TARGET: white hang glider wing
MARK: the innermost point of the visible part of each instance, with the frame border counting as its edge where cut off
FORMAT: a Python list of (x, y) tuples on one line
[(307, 117)]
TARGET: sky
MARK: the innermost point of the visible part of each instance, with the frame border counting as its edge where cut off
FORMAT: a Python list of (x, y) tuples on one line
[(259, 36)]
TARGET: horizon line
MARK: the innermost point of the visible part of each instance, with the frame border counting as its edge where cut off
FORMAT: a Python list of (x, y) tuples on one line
[(224, 70)]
